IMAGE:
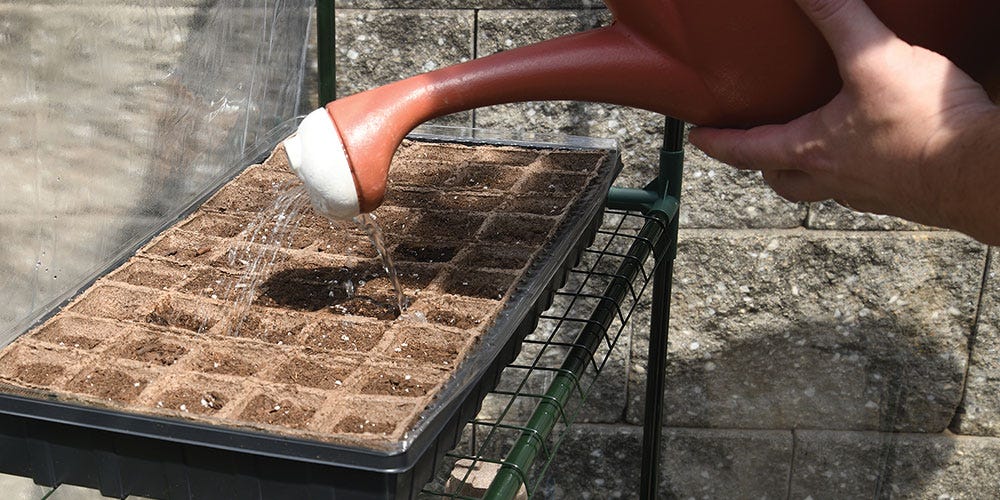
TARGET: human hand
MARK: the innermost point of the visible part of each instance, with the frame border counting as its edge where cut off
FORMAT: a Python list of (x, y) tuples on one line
[(904, 136)]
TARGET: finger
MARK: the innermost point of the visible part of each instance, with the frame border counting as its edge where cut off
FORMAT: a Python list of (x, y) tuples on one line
[(766, 147), (849, 26), (795, 185)]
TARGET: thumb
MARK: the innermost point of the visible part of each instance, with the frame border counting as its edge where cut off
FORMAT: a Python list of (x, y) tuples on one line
[(767, 147), (849, 26)]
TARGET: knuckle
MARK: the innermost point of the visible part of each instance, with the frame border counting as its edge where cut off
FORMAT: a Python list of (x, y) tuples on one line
[(811, 157), (811, 150)]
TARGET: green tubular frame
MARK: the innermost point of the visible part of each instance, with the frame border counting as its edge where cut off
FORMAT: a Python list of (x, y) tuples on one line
[(661, 201), (326, 52)]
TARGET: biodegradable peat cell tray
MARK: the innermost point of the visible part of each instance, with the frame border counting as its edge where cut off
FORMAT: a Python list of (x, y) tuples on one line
[(272, 331)]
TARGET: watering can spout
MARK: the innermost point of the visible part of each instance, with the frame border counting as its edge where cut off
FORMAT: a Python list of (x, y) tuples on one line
[(709, 62)]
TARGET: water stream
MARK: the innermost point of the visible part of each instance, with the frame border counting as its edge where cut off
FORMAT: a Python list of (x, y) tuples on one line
[(262, 242), (257, 250), (367, 222)]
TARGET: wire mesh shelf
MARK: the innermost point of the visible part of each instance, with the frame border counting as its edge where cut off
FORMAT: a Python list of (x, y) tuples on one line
[(506, 450)]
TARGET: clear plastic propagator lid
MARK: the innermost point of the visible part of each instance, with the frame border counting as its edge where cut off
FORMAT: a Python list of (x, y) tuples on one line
[(116, 116)]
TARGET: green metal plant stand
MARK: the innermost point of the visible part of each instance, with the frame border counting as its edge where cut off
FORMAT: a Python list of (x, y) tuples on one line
[(659, 203), (561, 362), (541, 392)]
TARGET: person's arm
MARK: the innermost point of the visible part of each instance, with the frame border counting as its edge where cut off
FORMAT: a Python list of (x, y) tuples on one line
[(909, 134)]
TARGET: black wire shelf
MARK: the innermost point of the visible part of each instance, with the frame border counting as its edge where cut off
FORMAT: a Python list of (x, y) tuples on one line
[(507, 449)]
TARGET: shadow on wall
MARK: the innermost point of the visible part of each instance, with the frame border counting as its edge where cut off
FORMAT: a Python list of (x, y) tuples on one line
[(810, 376), (832, 335)]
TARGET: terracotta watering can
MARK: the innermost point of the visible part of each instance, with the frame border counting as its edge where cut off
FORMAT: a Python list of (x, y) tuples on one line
[(710, 62)]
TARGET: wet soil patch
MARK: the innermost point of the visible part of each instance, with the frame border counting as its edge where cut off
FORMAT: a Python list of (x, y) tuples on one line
[(212, 283), (423, 253), (313, 289), (362, 291), (416, 275)]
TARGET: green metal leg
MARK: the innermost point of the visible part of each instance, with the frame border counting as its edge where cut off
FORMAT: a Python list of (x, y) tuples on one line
[(550, 410), (653, 421), (325, 50), (660, 202), (671, 167)]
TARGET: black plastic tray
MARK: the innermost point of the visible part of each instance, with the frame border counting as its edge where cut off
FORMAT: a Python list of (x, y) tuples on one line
[(121, 454)]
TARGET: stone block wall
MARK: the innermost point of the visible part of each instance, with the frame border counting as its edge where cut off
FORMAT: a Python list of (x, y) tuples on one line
[(814, 352)]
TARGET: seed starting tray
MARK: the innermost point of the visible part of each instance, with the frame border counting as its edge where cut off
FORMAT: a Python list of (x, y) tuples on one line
[(194, 370)]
